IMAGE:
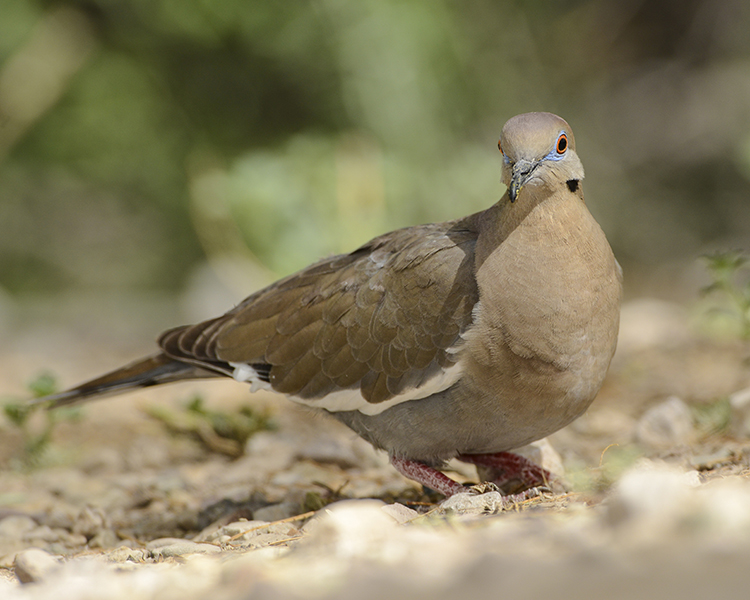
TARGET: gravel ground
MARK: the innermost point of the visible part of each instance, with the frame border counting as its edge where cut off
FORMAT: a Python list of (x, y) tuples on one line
[(653, 499)]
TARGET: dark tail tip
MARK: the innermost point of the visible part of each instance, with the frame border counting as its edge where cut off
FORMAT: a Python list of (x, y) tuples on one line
[(152, 370)]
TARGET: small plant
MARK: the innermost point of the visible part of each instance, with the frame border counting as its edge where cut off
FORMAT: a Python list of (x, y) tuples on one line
[(614, 461), (712, 418), (224, 432), (37, 435), (730, 272)]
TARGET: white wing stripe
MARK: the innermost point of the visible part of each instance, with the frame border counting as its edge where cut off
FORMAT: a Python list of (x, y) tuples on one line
[(351, 399)]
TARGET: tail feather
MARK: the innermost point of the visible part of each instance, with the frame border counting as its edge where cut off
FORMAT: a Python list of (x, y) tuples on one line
[(152, 370)]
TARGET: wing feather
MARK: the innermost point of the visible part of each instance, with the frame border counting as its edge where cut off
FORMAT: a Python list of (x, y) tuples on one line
[(377, 322)]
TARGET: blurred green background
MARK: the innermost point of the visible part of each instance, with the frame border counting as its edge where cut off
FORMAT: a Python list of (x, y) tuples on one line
[(167, 146)]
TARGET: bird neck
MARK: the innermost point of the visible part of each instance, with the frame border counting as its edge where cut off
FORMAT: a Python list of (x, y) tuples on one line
[(501, 219)]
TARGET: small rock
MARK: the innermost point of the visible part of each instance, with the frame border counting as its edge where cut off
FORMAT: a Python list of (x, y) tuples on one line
[(61, 516), (262, 540), (473, 504), (725, 505), (276, 512), (543, 454), (651, 494), (243, 531), (34, 565), (161, 542), (43, 533), (218, 532), (179, 547), (706, 462), (400, 513), (89, 522), (106, 538), (71, 540), (123, 554), (351, 528), (665, 425), (15, 526)]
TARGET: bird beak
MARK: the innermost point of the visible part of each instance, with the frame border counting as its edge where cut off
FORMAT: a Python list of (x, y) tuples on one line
[(520, 174)]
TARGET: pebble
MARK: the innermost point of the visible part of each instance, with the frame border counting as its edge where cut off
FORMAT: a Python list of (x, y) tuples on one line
[(472, 504), (651, 495), (253, 533), (172, 547), (125, 554), (216, 531), (106, 538), (357, 549), (543, 454), (89, 521), (276, 512), (34, 565), (61, 515), (706, 462), (400, 513), (15, 526), (349, 529), (666, 425)]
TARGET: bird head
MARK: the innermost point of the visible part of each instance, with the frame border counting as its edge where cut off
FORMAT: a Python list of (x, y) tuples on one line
[(538, 150)]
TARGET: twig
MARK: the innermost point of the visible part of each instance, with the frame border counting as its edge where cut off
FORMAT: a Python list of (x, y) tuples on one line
[(279, 522)]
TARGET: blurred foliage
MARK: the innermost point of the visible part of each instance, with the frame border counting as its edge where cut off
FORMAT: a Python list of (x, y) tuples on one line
[(614, 461), (224, 432), (712, 418), (730, 282), (138, 137), (35, 423)]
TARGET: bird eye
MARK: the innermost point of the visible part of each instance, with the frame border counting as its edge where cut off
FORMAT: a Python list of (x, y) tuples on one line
[(500, 147), (562, 143)]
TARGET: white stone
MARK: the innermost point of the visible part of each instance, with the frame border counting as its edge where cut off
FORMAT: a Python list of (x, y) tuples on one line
[(34, 565), (651, 494), (543, 454), (665, 425), (400, 513), (473, 504)]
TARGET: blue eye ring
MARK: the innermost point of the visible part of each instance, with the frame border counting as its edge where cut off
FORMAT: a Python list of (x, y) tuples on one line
[(505, 158)]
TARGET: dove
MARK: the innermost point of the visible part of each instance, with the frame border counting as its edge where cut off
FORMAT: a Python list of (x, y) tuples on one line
[(465, 339)]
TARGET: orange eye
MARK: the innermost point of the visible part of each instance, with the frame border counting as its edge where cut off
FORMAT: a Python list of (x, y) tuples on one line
[(500, 147), (562, 143)]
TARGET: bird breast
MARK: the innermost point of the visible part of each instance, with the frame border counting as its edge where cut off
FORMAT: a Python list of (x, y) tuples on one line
[(543, 350)]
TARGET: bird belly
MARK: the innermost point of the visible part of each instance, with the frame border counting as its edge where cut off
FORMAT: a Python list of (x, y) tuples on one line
[(485, 414)]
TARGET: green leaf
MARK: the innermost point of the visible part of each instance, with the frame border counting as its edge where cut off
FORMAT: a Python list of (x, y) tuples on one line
[(43, 384)]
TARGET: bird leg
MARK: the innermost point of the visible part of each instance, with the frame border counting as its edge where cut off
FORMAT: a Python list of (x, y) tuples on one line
[(427, 476), (440, 482), (512, 473)]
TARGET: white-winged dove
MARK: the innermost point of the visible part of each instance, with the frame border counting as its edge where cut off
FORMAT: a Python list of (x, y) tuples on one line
[(461, 339)]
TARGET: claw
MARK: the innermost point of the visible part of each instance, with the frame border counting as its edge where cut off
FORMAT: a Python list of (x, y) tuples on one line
[(511, 473), (481, 488)]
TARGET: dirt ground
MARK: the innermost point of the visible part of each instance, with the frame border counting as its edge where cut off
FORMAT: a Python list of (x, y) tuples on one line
[(655, 500)]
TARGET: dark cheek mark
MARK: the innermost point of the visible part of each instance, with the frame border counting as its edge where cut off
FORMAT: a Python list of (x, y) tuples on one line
[(572, 184)]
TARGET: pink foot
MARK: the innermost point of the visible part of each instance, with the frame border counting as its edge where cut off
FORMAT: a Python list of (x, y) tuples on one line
[(512, 473), (427, 476)]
